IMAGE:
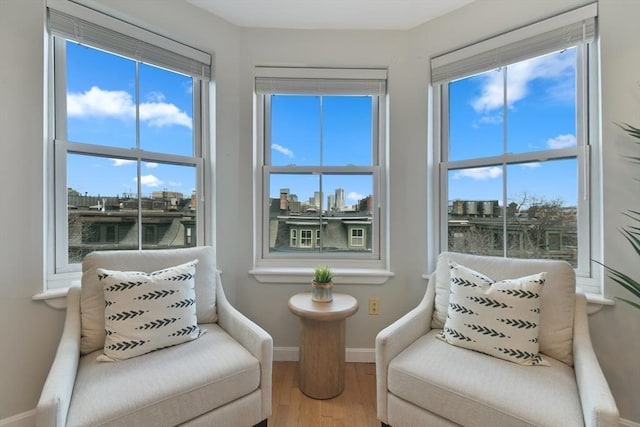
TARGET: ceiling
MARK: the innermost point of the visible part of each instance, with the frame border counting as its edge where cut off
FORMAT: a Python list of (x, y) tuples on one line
[(329, 14)]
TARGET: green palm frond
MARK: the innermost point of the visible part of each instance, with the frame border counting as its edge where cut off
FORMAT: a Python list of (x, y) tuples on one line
[(631, 232), (631, 130)]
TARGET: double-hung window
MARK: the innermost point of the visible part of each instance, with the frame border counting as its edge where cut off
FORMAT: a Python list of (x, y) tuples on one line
[(126, 148), (517, 126), (320, 168)]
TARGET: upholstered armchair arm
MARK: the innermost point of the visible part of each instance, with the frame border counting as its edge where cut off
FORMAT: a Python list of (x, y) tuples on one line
[(56, 393), (598, 407), (250, 336), (396, 337)]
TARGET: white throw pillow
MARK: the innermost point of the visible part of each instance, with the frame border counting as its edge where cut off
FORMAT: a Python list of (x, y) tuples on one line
[(496, 318), (148, 311)]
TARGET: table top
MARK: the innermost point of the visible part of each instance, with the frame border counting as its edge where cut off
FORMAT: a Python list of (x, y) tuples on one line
[(342, 306)]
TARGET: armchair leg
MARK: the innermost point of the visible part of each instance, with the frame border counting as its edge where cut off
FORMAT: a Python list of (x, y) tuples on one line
[(262, 423)]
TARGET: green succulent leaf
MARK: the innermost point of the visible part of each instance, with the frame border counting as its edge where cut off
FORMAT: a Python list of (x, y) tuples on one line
[(322, 275)]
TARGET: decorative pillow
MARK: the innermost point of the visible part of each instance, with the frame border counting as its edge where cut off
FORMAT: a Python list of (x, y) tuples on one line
[(496, 318), (147, 312)]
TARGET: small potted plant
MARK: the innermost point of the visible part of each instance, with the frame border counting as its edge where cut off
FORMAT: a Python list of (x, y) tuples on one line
[(322, 284)]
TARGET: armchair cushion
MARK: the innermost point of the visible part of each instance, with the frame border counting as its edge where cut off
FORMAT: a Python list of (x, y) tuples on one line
[(92, 302), (557, 304), (147, 312), (164, 388), (497, 318), (473, 389)]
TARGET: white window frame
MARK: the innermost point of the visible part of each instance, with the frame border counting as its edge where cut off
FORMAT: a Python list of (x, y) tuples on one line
[(295, 267), (306, 238), (65, 19), (521, 44), (293, 237), (361, 238)]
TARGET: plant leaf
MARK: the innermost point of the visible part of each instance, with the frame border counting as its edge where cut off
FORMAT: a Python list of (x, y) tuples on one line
[(634, 304)]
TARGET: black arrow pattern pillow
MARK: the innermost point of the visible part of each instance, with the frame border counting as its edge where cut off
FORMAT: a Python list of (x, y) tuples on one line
[(496, 318), (147, 312)]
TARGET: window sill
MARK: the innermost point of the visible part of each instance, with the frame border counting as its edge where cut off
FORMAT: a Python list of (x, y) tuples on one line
[(595, 302), (343, 276), (56, 289), (54, 298)]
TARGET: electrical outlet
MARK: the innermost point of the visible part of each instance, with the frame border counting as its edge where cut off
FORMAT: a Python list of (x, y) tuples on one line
[(374, 305)]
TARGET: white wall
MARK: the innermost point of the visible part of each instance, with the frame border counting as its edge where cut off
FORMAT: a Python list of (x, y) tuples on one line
[(32, 329)]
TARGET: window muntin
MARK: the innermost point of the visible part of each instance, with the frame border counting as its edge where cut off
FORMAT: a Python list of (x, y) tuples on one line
[(513, 146), (127, 152)]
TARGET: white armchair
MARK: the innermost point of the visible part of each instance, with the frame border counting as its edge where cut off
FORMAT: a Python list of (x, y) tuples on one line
[(422, 380), (222, 378)]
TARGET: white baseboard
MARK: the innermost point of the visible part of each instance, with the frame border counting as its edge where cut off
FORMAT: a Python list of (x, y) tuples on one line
[(628, 423), (353, 355), (25, 419)]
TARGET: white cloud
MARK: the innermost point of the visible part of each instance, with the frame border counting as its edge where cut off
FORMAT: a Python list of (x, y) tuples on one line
[(479, 174), (119, 104), (162, 114), (353, 196), (151, 165), (122, 162), (283, 150), (100, 103), (533, 165), (155, 96), (519, 76), (150, 181), (562, 141)]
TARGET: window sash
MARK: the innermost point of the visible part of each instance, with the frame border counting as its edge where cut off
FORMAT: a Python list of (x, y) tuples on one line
[(370, 259), (58, 258), (586, 135)]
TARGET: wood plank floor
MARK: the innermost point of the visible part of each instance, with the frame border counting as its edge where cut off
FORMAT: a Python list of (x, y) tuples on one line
[(354, 407)]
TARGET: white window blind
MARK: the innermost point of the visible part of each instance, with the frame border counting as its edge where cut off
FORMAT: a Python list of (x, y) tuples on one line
[(537, 39), (104, 32), (322, 81)]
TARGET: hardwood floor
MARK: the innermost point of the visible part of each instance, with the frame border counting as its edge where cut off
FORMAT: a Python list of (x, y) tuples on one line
[(355, 407)]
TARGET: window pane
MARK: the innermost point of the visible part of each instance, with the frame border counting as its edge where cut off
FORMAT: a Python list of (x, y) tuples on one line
[(102, 205), (348, 193), (346, 131), (296, 204), (295, 130), (166, 111), (541, 103), (100, 98), (475, 211), (542, 210), (476, 115), (168, 206)]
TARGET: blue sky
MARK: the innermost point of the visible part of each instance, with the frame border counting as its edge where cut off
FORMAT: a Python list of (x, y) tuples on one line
[(101, 109), (327, 131), (540, 115), (540, 111)]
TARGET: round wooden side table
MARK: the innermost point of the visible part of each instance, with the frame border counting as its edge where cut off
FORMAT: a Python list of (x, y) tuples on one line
[(322, 343)]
